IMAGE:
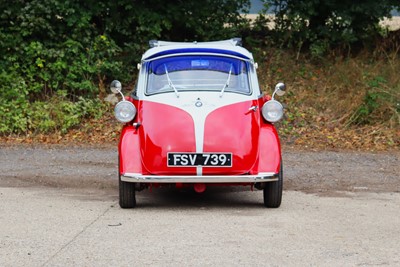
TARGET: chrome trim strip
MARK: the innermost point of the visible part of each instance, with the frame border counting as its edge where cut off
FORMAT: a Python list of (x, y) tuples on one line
[(140, 178)]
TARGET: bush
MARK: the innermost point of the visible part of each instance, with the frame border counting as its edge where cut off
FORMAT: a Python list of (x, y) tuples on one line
[(76, 46), (56, 56), (318, 26), (57, 114)]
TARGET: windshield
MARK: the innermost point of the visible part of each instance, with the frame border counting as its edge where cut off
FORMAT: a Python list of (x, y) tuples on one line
[(197, 73)]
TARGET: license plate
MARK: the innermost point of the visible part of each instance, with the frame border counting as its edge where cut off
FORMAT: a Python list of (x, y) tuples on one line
[(200, 159)]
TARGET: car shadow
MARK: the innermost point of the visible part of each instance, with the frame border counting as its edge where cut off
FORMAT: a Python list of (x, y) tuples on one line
[(213, 197)]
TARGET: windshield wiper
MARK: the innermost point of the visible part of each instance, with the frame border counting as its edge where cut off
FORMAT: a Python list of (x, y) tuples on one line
[(170, 84), (226, 83)]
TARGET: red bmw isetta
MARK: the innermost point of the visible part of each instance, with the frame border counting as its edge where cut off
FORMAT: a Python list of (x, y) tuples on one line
[(198, 118)]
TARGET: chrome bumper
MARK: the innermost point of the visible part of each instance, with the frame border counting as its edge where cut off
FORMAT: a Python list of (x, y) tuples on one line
[(140, 178)]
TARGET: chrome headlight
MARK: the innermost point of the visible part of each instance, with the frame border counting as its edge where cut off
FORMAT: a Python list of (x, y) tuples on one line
[(272, 111), (125, 111)]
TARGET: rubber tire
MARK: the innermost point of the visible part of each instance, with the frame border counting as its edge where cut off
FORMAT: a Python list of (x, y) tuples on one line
[(127, 193), (273, 191)]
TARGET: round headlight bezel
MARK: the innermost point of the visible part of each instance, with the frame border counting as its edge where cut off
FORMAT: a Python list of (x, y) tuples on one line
[(128, 108), (272, 106)]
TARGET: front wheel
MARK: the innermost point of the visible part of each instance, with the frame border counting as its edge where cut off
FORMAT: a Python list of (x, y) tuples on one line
[(127, 196), (273, 191)]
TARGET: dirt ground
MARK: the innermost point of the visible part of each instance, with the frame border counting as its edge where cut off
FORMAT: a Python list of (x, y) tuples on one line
[(95, 168)]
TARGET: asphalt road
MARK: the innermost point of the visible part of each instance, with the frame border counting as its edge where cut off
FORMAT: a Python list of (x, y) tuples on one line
[(58, 207)]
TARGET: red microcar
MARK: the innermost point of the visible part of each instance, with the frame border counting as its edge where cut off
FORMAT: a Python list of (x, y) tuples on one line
[(198, 118)]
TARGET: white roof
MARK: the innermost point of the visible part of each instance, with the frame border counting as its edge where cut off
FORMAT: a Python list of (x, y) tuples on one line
[(231, 46)]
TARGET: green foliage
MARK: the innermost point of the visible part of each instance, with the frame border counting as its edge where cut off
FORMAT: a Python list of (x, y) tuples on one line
[(58, 114), (380, 103), (14, 116), (56, 56), (319, 25)]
